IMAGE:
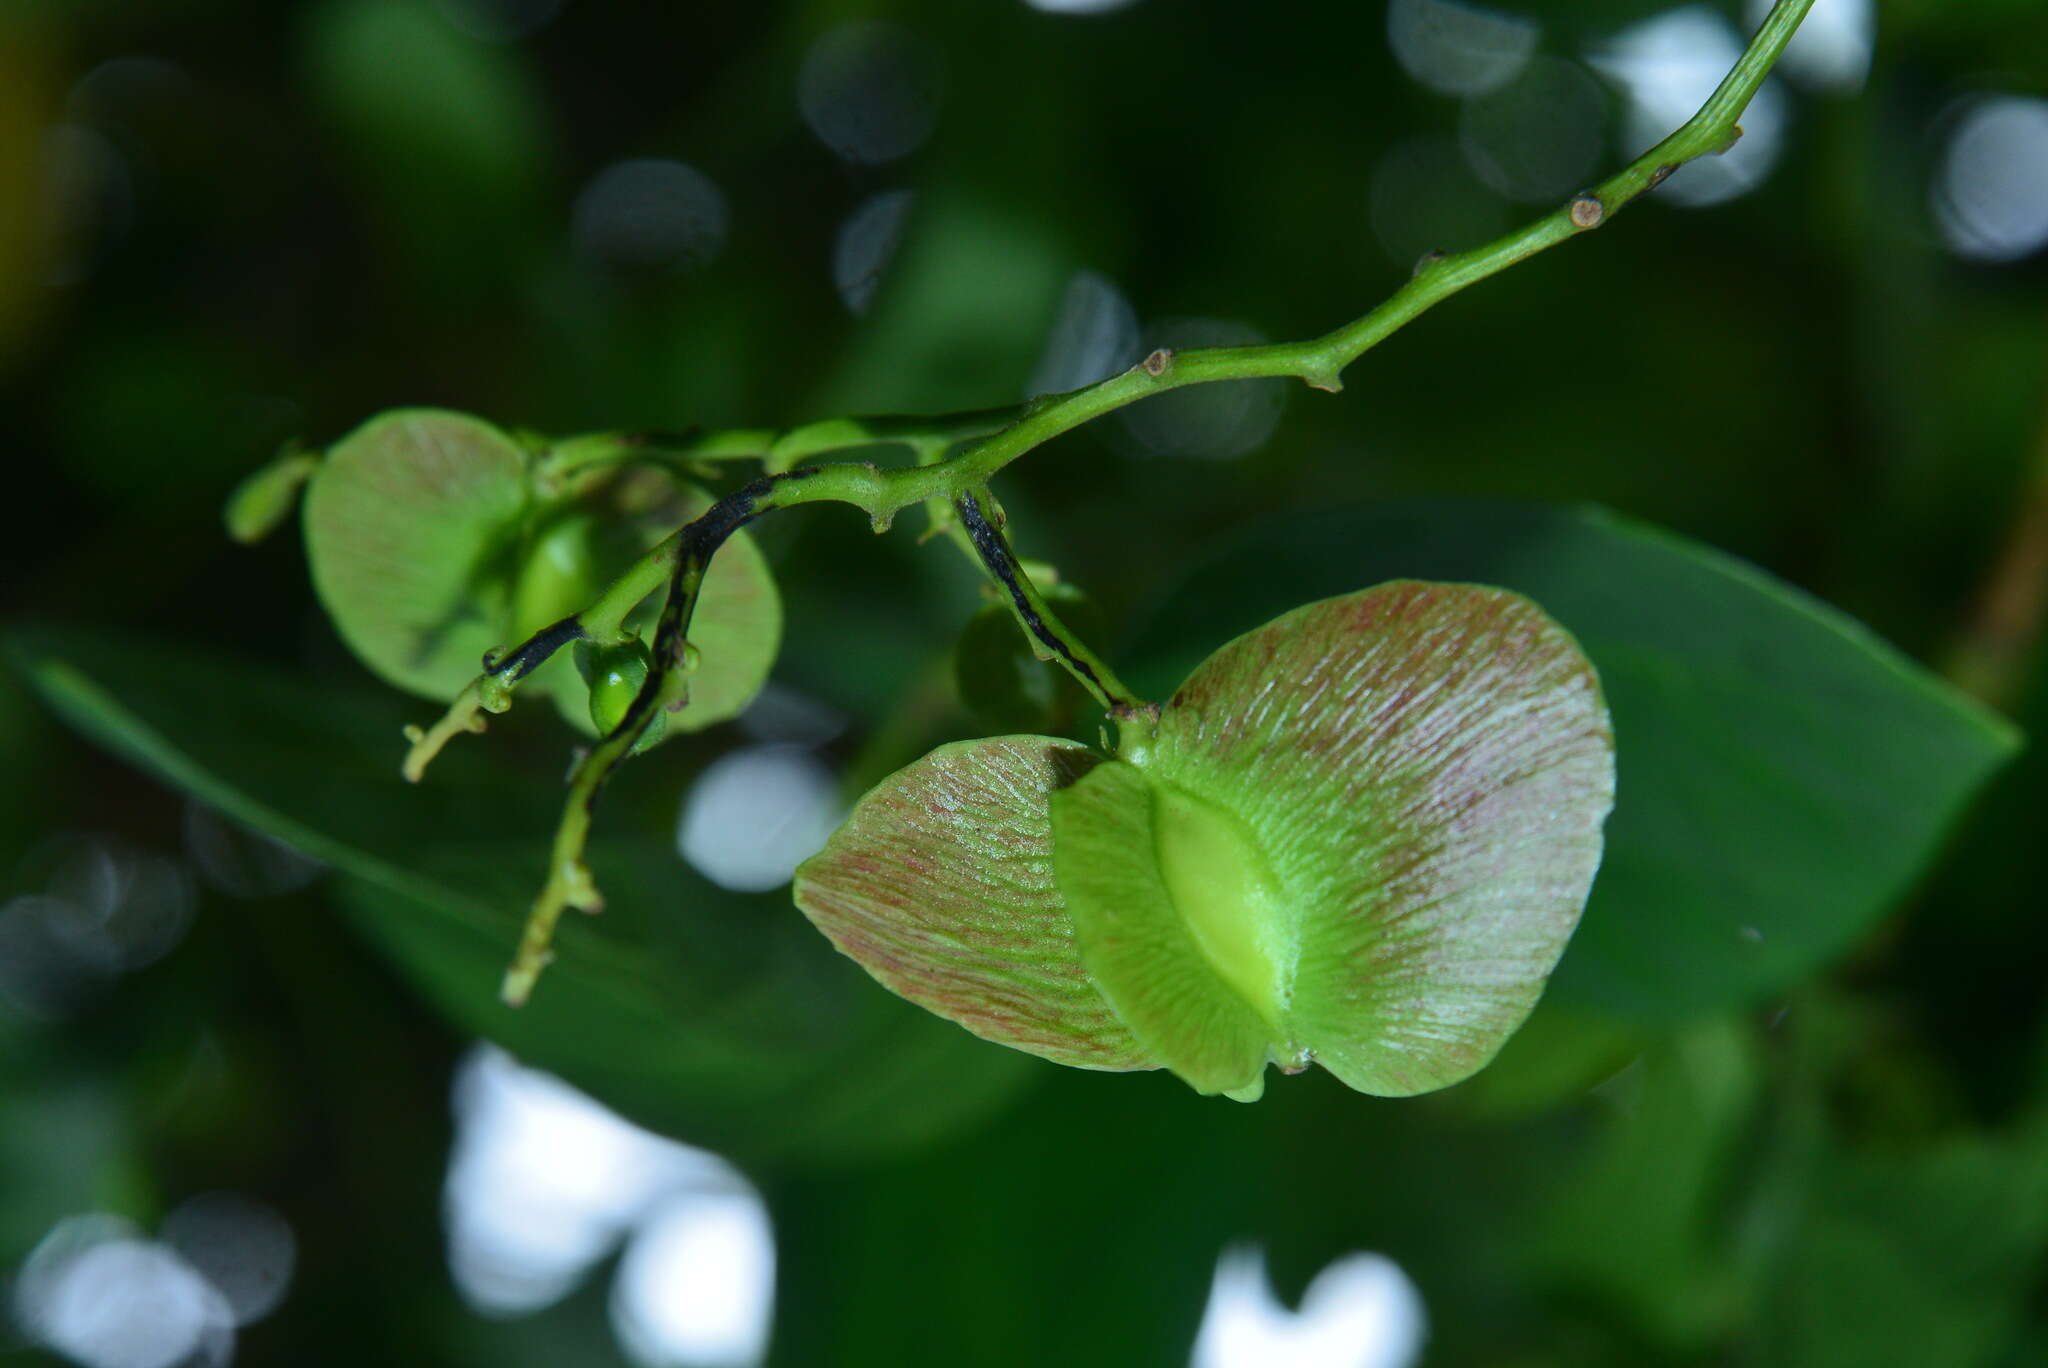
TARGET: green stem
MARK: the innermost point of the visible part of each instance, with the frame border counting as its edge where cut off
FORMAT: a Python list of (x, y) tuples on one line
[(604, 621), (1319, 361), (569, 882), (958, 480)]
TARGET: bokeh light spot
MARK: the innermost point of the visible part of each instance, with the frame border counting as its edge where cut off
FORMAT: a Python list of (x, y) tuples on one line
[(696, 1288), (866, 243), (1667, 67), (1831, 50), (755, 814), (1424, 198), (1218, 422), (97, 1293), (1360, 1312), (543, 1183), (870, 91), (1459, 49), (649, 213), (499, 21), (1538, 137), (244, 1249), (1080, 6), (1094, 337), (1991, 192)]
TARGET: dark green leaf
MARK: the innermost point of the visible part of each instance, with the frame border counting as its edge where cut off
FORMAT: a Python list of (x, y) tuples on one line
[(711, 1016)]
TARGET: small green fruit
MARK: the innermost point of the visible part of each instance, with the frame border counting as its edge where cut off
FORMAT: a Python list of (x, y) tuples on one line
[(615, 675)]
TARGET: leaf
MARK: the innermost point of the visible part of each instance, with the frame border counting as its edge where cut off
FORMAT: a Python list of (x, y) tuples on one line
[(941, 885), (1634, 1218), (691, 1010), (1921, 1257), (1784, 775)]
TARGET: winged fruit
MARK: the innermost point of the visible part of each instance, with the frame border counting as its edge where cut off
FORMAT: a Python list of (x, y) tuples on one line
[(431, 543), (1359, 836)]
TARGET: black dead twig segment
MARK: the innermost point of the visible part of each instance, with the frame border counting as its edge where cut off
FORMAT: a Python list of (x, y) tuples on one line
[(1045, 628), (695, 546), (532, 653)]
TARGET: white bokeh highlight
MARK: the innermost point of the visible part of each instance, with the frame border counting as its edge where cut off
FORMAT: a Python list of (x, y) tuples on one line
[(865, 245), (1831, 51), (499, 21), (755, 814), (1667, 67), (544, 1183), (101, 1295), (1459, 49), (1991, 189), (1094, 337), (1360, 1312), (695, 1288), (242, 863)]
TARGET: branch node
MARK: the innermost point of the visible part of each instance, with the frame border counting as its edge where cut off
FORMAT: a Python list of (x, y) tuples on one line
[(1427, 260), (424, 743), (1660, 175), (1587, 212), (1157, 363)]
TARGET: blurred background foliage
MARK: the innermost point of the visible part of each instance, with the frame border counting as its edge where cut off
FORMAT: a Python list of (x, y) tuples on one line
[(244, 1114)]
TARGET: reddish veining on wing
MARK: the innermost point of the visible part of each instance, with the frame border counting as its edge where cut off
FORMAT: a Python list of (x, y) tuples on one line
[(1427, 766), (941, 886)]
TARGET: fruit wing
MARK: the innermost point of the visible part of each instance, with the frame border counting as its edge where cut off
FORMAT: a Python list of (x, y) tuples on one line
[(1426, 767)]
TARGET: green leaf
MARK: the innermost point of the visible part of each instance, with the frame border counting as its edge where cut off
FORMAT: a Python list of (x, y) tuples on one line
[(1784, 775), (694, 1011), (1635, 1219), (1922, 1257), (941, 885)]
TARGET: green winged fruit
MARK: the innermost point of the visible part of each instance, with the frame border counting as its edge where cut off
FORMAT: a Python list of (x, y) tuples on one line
[(432, 541), (1359, 836)]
